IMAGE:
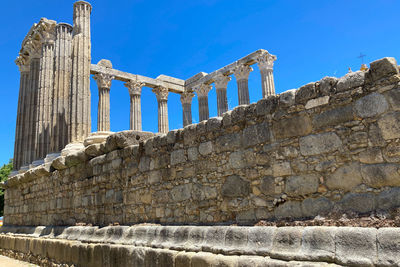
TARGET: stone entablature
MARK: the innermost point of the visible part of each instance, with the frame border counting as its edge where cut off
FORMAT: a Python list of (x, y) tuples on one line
[(328, 146)]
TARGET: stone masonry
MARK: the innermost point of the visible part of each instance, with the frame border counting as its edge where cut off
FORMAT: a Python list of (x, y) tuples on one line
[(330, 145)]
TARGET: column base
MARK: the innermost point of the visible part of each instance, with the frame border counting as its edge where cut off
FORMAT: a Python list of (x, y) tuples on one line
[(96, 138)]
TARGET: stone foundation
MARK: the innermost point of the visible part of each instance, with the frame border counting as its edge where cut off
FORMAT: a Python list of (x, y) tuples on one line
[(203, 246)]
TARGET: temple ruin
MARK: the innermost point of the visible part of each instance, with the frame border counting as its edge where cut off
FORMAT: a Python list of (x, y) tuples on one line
[(271, 183)]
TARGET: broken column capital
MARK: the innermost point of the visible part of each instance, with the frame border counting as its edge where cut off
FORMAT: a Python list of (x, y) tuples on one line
[(103, 80), (23, 63), (161, 93), (134, 87), (242, 72), (202, 89), (186, 97), (266, 61), (221, 81)]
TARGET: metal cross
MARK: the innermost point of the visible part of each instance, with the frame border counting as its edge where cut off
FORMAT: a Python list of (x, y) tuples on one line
[(362, 56)]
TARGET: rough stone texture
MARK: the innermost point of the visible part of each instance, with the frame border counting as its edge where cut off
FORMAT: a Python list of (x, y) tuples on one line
[(351, 80), (126, 138), (273, 159)]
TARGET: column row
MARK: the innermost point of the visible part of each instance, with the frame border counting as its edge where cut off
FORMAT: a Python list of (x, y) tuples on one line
[(265, 63)]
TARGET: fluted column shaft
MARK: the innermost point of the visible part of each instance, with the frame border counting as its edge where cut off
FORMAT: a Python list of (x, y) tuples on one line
[(80, 124), (20, 129), (222, 101), (103, 107), (45, 94), (103, 110), (202, 94), (135, 91), (162, 99), (31, 102), (266, 64), (62, 87), (242, 73), (135, 122), (221, 84), (186, 100)]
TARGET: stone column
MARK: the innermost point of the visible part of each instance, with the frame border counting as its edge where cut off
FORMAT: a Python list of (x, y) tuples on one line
[(32, 98), (186, 100), (242, 73), (221, 83), (20, 129), (45, 94), (62, 87), (103, 108), (162, 99), (135, 91), (202, 94), (265, 63), (80, 124)]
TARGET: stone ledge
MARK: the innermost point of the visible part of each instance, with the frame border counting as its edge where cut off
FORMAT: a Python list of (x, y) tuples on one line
[(354, 246)]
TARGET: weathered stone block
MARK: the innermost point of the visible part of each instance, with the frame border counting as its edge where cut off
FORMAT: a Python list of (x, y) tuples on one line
[(312, 207), (181, 192), (333, 117), (295, 126), (371, 105), (301, 185), (318, 243), (351, 80), (380, 175), (393, 97), (289, 209), (236, 160), (287, 98), (59, 163), (388, 241), (268, 185), (305, 93), (320, 101), (228, 142), (327, 85), (382, 68), (255, 134), (203, 259), (206, 148), (371, 155), (193, 153), (356, 246), (389, 199), (235, 186), (266, 105), (287, 242), (126, 138), (319, 143), (281, 169), (358, 202), (236, 240), (389, 124), (260, 239), (345, 177), (178, 156)]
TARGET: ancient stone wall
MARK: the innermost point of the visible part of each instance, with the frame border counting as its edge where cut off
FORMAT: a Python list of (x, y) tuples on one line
[(330, 146)]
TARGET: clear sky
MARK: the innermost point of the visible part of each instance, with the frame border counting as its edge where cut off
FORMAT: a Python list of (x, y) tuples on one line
[(179, 38)]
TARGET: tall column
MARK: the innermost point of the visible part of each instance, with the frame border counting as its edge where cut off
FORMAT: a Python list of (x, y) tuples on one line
[(45, 95), (186, 100), (242, 73), (221, 83), (202, 94), (20, 129), (265, 63), (103, 107), (162, 99), (62, 86), (135, 91), (80, 83), (29, 142)]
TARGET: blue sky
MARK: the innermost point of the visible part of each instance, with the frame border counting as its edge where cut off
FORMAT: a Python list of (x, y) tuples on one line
[(311, 39)]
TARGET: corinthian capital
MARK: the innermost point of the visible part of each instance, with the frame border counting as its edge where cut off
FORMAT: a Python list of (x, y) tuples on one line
[(186, 97), (103, 80), (242, 72), (266, 61), (221, 81), (23, 63), (202, 89), (134, 87), (161, 93)]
